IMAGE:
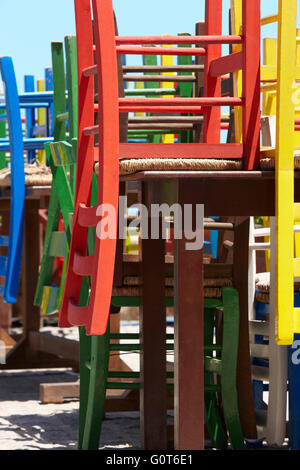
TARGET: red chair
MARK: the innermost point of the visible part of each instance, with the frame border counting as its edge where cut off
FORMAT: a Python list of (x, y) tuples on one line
[(110, 155)]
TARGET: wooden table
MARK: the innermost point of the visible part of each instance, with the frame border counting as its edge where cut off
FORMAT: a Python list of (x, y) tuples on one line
[(227, 193)]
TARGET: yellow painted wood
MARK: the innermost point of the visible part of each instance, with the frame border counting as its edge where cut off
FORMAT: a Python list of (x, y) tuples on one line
[(297, 267), (284, 172), (41, 155), (236, 24), (268, 20), (297, 319), (140, 86), (297, 235), (269, 58), (167, 60), (268, 73)]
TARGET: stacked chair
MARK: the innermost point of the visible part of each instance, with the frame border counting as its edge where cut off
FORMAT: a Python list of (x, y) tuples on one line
[(108, 138), (19, 175), (84, 264)]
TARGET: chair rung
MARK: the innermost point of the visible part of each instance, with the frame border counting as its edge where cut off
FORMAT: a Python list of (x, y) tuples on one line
[(58, 244), (261, 417), (89, 71), (232, 151), (3, 265), (260, 350), (212, 364), (123, 386), (212, 388), (62, 154), (260, 373), (77, 315), (91, 130), (258, 327), (87, 216), (187, 40), (137, 50), (4, 240), (196, 102), (83, 265), (50, 300)]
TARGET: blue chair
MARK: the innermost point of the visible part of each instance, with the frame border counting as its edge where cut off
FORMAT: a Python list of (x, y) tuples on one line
[(10, 265)]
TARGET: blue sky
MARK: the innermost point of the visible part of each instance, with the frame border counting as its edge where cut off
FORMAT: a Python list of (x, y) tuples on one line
[(29, 26)]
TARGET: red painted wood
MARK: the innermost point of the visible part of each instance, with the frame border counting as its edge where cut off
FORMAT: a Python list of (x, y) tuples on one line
[(212, 86), (88, 71), (87, 215), (207, 101), (91, 130), (144, 150), (82, 265), (85, 149), (77, 315), (195, 51), (212, 39), (162, 109), (251, 83), (226, 64), (107, 81)]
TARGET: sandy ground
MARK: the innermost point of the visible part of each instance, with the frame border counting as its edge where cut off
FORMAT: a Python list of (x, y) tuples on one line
[(26, 423)]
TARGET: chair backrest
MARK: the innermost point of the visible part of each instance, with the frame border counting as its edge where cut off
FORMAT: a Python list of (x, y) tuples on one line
[(11, 265), (62, 160), (106, 50)]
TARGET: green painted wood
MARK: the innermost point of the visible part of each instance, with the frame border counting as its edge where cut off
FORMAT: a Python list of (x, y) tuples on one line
[(213, 421), (59, 98), (50, 299), (135, 302), (97, 391), (229, 364), (58, 244), (72, 86), (224, 366), (84, 357), (61, 159), (2, 136), (46, 270)]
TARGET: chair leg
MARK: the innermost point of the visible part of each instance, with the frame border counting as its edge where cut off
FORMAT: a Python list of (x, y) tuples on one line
[(229, 363), (213, 421), (85, 357), (97, 391)]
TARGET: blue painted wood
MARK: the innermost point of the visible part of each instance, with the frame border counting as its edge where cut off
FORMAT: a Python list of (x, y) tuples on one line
[(3, 265), (50, 111), (31, 143), (294, 387), (30, 115), (16, 229), (4, 240)]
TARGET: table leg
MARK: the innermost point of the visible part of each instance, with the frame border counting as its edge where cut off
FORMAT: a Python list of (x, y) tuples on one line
[(188, 342), (153, 392)]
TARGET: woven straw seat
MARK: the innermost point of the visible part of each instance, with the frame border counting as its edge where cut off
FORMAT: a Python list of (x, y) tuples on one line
[(267, 163), (35, 175), (132, 287), (262, 282), (160, 164)]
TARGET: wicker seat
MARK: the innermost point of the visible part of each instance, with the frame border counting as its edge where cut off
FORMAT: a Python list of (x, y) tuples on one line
[(262, 282), (268, 163), (35, 175)]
